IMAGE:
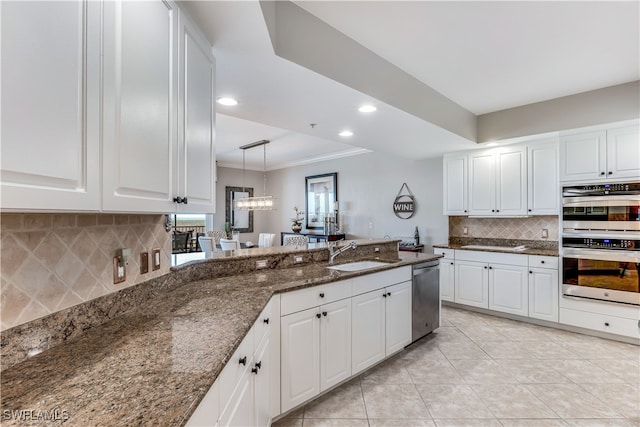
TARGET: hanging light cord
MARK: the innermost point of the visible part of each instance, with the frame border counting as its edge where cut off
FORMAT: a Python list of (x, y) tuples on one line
[(264, 167)]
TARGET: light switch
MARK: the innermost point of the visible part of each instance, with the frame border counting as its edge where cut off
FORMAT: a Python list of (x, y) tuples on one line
[(155, 259)]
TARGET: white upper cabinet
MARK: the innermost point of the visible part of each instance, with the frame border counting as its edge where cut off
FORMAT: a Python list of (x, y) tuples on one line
[(158, 133), (455, 184), (498, 182), (196, 120), (598, 155), (50, 106), (140, 94), (542, 180)]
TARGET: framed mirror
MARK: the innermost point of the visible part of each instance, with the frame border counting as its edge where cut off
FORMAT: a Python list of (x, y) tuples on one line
[(321, 196), (241, 221)]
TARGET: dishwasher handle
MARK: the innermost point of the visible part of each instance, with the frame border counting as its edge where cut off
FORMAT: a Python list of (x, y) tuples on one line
[(425, 266)]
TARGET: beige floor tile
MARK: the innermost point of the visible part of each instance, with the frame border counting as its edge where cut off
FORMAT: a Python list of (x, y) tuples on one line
[(394, 401), (571, 401), (505, 350), (382, 422), (462, 350), (332, 422), (389, 372), (483, 333), (548, 350), (528, 422), (622, 398), (344, 402), (453, 401), (481, 371), (448, 334), (526, 332), (626, 369), (288, 422), (611, 422), (423, 349), (512, 401), (532, 371), (584, 372), (433, 372), (461, 422)]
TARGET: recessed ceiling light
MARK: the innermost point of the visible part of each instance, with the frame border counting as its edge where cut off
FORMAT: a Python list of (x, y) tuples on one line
[(346, 133), (227, 101), (368, 108)]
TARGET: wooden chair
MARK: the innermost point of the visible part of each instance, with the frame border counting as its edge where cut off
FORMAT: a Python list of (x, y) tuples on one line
[(206, 244), (181, 241), (295, 241), (265, 240), (229, 244), (217, 235)]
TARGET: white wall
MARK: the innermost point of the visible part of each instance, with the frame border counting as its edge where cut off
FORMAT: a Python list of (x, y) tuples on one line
[(367, 187)]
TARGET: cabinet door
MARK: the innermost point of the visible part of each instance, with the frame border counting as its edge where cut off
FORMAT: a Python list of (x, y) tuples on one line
[(206, 414), (139, 108), (367, 330), (543, 189), (398, 317), (447, 276), (335, 343), (481, 183), (511, 181), (543, 294), (240, 411), (623, 152), (583, 156), (262, 382), (196, 120), (455, 185), (300, 356), (472, 283), (50, 105), (508, 290)]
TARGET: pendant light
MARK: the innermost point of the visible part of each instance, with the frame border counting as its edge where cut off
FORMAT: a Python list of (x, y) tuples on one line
[(264, 203)]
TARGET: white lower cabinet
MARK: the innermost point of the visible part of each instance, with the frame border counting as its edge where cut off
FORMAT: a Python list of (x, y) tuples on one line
[(508, 289), (315, 351), (601, 316), (526, 285), (447, 273), (472, 283), (543, 288)]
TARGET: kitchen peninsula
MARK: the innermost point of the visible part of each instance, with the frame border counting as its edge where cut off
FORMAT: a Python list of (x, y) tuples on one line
[(149, 354)]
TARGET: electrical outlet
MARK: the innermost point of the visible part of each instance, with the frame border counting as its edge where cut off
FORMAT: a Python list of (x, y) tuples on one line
[(297, 259), (545, 233), (261, 264), (119, 271), (144, 262), (376, 250), (465, 231), (155, 259)]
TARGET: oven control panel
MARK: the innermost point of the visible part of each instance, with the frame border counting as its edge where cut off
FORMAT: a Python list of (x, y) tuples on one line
[(579, 242), (612, 189)]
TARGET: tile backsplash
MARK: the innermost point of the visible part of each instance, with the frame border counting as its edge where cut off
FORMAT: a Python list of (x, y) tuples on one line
[(49, 262), (505, 228)]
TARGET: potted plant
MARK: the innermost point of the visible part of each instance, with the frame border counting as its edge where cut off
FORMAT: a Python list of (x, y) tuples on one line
[(296, 223)]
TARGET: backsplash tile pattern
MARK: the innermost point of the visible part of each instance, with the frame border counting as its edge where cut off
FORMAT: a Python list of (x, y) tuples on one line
[(50, 262), (505, 228)]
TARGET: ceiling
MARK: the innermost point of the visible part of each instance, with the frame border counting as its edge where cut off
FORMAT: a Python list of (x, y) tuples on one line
[(483, 56)]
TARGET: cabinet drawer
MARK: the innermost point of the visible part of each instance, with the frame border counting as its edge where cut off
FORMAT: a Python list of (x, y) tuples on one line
[(492, 257), (600, 322), (233, 370), (371, 282), (543, 261), (315, 296), (448, 253), (602, 307), (263, 324)]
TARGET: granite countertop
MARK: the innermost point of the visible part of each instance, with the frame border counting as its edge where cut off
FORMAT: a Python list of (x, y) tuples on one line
[(532, 247), (153, 365)]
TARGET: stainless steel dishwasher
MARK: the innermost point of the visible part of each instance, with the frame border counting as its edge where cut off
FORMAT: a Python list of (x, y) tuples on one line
[(426, 299)]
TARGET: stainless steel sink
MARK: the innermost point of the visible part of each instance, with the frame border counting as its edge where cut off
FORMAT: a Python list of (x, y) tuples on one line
[(496, 248), (358, 265)]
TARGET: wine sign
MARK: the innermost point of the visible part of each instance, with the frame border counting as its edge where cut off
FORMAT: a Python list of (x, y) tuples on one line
[(404, 206)]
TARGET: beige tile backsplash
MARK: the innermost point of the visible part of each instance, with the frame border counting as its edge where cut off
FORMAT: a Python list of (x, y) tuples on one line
[(49, 262), (505, 228)]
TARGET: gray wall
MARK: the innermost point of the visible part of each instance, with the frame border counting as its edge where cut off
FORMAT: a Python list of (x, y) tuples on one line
[(367, 186)]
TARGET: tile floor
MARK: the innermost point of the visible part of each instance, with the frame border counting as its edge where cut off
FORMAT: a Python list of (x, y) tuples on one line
[(481, 370)]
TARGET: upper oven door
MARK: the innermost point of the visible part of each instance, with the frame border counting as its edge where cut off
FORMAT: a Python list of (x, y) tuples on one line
[(613, 213)]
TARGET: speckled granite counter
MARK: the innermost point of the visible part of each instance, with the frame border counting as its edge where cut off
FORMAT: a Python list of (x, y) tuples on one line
[(152, 364), (544, 248)]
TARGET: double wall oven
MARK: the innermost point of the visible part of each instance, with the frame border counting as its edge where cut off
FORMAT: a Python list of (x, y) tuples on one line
[(601, 242)]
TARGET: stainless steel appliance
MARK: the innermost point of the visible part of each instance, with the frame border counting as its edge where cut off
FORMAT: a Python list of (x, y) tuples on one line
[(601, 242), (425, 299)]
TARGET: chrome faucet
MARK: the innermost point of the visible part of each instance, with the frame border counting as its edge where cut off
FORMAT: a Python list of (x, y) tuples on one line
[(334, 253)]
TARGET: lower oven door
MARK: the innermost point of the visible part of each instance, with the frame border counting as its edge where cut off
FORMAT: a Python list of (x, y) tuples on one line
[(601, 274)]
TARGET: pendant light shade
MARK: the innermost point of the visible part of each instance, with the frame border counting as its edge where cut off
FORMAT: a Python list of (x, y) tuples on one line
[(264, 203)]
